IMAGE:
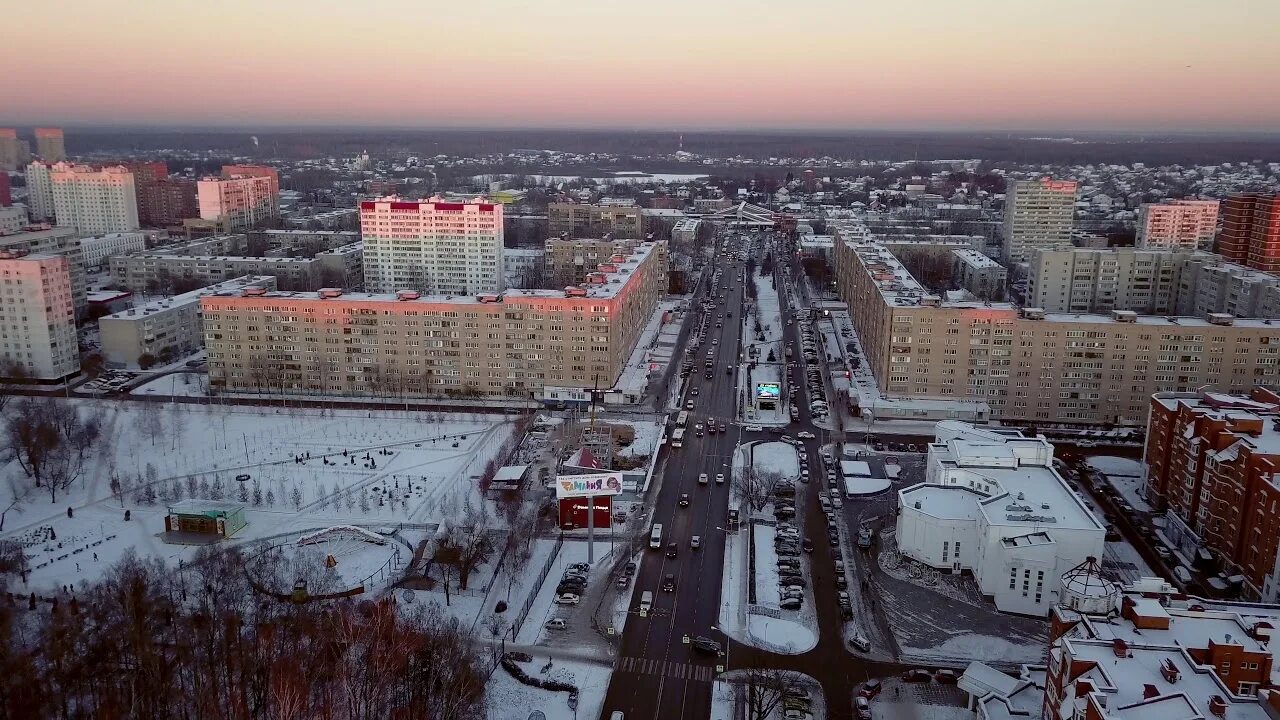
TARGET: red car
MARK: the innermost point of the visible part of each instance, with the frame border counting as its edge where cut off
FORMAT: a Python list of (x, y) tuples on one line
[(870, 689)]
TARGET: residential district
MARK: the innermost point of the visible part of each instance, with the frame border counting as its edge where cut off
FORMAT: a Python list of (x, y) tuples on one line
[(853, 438)]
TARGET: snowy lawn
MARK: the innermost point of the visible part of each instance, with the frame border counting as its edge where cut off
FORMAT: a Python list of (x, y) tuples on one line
[(722, 700), (776, 457), (965, 646), (179, 384), (509, 699)]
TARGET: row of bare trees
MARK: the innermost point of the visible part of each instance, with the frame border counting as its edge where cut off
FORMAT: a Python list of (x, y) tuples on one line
[(49, 441), (199, 644)]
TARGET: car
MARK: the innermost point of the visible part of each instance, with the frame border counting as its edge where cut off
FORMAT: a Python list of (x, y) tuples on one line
[(753, 428), (807, 545), (862, 708), (860, 642), (834, 539), (695, 542), (708, 375), (580, 567), (841, 581), (623, 581), (693, 391), (724, 427), (791, 582), (630, 568), (870, 689), (702, 478), (791, 603), (946, 677), (567, 599), (916, 675), (706, 645), (719, 478), (555, 624), (688, 405), (672, 550), (684, 499)]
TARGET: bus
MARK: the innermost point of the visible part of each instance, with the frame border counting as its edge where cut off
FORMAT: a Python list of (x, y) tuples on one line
[(682, 420), (655, 537), (677, 438)]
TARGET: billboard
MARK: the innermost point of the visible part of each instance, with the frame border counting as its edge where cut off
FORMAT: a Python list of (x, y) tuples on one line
[(573, 513), (597, 484), (768, 391)]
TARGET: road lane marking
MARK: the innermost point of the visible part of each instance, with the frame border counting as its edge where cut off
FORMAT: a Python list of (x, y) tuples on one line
[(688, 672)]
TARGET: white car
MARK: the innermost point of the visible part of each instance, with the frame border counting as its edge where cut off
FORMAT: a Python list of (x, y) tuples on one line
[(702, 479), (719, 478), (567, 599), (805, 435), (556, 624)]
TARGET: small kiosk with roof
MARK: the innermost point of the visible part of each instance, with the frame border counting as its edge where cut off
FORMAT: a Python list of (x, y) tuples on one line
[(212, 520)]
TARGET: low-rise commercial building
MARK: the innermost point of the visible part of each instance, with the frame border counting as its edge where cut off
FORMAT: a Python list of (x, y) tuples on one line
[(410, 345), (979, 274), (1034, 366), (992, 504), (167, 329), (37, 316), (685, 230), (1210, 461), (1156, 652), (98, 248)]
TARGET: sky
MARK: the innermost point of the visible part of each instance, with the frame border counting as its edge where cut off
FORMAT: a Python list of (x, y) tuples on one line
[(1142, 65)]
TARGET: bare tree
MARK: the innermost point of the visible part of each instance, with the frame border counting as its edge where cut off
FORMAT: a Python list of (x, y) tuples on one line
[(50, 440), (20, 486), (470, 539), (766, 689), (150, 421), (756, 486)]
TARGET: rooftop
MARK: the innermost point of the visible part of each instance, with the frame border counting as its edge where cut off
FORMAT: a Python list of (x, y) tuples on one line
[(234, 286)]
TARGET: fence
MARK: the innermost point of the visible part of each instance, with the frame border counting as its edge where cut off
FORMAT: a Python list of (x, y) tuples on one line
[(533, 591)]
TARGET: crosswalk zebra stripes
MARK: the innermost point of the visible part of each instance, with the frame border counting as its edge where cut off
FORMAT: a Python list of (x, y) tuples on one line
[(675, 670)]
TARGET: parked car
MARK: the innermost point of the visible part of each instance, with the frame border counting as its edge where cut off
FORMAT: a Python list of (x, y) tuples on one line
[(568, 599), (870, 689), (916, 675), (555, 624), (861, 642), (862, 708), (947, 677)]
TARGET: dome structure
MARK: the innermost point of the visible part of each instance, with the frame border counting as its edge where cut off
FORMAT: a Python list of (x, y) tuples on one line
[(1085, 590)]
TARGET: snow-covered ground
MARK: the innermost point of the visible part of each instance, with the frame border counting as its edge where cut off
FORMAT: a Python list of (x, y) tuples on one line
[(776, 457), (175, 384), (768, 313), (966, 646), (399, 467), (509, 699), (722, 700), (865, 485), (1125, 475), (647, 433), (766, 567)]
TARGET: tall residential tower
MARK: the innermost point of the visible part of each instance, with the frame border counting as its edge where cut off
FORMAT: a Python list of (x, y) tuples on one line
[(445, 248), (1037, 214)]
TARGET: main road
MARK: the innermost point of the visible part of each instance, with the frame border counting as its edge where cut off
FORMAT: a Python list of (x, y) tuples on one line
[(657, 675)]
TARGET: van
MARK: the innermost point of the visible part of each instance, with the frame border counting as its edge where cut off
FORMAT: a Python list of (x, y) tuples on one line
[(616, 715), (655, 537), (646, 603)]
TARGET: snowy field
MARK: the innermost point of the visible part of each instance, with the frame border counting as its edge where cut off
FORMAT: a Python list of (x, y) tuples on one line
[(508, 699), (294, 470), (776, 457), (175, 384)]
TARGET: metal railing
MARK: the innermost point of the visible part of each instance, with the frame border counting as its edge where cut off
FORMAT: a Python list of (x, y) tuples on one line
[(533, 591)]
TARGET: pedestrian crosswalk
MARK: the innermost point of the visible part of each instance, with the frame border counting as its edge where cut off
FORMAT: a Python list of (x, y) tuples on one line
[(674, 670)]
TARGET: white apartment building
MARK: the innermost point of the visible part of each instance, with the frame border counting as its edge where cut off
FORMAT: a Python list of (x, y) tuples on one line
[(94, 201), (166, 329), (13, 218), (37, 316), (979, 274), (444, 248), (40, 191), (992, 504), (100, 247), (238, 202), (522, 267), (685, 230), (46, 240), (1188, 224), (1037, 214)]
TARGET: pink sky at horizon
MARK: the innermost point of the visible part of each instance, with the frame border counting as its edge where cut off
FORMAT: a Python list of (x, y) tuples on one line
[(930, 64)]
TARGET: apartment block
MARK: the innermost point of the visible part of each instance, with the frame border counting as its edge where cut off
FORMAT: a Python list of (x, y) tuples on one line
[(1251, 230), (156, 273), (243, 197), (1152, 651), (98, 248), (1101, 280), (6, 190), (37, 316), (1037, 214), (1189, 224), (162, 201), (50, 145), (46, 240), (14, 152), (304, 240), (414, 345), (523, 267), (167, 329), (568, 259), (1034, 366), (1211, 458), (685, 230), (431, 245), (40, 192), (13, 219), (93, 201), (595, 220), (979, 274)]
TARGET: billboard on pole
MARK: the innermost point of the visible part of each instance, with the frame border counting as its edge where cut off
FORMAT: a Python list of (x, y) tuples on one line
[(597, 484)]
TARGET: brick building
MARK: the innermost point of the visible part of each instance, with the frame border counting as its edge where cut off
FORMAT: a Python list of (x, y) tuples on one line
[(1251, 230)]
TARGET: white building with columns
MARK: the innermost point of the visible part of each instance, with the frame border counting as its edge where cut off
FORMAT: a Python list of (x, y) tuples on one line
[(992, 504)]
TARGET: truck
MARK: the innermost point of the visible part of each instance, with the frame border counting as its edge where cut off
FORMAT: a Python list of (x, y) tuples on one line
[(677, 438)]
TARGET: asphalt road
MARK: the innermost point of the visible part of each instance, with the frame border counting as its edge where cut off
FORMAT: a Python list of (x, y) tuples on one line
[(657, 675)]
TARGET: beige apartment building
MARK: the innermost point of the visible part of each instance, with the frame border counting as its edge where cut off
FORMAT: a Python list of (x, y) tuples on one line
[(152, 272), (167, 329), (1150, 281), (1037, 213), (410, 345), (1035, 366), (43, 239), (567, 259), (1189, 224), (37, 316), (595, 220)]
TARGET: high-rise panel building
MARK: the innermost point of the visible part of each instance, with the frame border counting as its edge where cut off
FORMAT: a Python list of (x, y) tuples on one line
[(447, 248), (242, 198), (46, 240), (37, 316), (40, 191), (6, 194), (50, 145), (1251, 230), (14, 152), (162, 201), (94, 201), (1037, 213), (1177, 224)]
